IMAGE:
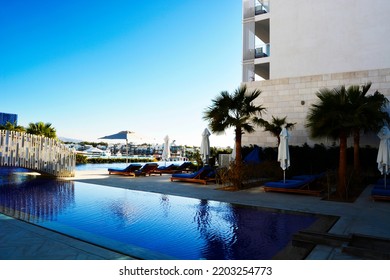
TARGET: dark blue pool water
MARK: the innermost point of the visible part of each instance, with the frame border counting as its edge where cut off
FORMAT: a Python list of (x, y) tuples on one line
[(141, 223)]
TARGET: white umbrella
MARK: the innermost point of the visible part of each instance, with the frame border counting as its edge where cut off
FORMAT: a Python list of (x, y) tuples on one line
[(166, 154), (383, 158), (233, 154), (124, 134), (283, 152), (205, 146)]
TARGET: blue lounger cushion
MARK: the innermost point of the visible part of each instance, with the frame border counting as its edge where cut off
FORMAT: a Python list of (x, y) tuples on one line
[(166, 167), (184, 175), (211, 174), (305, 177), (380, 191), (287, 184), (128, 168), (382, 186), (192, 175), (296, 181), (308, 178), (380, 183), (116, 169)]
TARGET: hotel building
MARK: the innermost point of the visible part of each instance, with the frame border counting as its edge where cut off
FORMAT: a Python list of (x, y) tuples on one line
[(291, 49), (4, 118)]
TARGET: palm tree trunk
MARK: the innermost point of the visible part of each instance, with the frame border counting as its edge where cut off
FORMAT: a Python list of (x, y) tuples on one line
[(238, 161), (342, 185), (238, 145), (356, 147)]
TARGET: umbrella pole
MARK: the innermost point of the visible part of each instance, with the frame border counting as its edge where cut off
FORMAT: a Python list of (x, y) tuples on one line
[(127, 151), (284, 176)]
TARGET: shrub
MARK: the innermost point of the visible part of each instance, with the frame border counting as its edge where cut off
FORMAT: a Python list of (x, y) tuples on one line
[(81, 159), (239, 176)]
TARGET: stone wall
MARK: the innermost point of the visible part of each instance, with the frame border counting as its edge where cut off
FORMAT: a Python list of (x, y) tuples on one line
[(292, 97)]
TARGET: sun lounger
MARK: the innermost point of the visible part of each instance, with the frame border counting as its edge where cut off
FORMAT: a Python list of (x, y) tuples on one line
[(380, 183), (146, 169), (173, 169), (378, 192), (187, 167), (128, 171), (170, 169), (298, 184), (204, 175)]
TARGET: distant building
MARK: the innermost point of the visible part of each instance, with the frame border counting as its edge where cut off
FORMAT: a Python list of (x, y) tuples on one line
[(291, 49), (5, 117)]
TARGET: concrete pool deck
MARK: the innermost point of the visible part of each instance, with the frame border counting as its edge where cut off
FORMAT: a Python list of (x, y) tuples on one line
[(20, 240)]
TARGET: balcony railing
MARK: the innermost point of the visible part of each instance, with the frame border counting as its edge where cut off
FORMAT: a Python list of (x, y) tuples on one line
[(261, 7), (262, 51)]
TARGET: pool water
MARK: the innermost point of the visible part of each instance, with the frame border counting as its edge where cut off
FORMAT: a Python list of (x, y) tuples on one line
[(149, 225)]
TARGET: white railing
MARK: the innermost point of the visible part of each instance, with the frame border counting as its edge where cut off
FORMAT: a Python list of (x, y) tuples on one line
[(261, 7), (251, 8), (41, 154), (262, 51)]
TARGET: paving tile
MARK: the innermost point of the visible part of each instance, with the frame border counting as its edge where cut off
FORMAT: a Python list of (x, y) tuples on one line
[(21, 241)]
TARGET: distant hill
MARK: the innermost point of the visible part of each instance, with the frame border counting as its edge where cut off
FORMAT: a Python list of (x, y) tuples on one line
[(65, 139)]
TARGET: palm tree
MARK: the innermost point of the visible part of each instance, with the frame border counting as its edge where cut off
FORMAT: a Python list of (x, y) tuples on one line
[(12, 127), (234, 110), (331, 117), (42, 129), (368, 115), (275, 126)]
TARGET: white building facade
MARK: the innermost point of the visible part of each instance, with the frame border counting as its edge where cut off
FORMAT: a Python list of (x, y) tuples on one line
[(291, 49)]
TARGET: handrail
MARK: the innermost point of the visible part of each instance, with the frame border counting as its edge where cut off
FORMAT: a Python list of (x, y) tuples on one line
[(261, 7)]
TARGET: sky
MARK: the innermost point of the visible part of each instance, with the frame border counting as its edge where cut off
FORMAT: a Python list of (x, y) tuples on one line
[(94, 68)]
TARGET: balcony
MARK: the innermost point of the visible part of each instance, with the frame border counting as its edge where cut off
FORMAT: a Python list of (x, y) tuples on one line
[(253, 8), (262, 51), (261, 7)]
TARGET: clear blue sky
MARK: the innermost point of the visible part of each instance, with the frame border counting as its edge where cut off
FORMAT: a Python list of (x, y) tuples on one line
[(93, 68)]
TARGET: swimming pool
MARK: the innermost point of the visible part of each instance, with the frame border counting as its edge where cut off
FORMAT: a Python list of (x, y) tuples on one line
[(149, 225)]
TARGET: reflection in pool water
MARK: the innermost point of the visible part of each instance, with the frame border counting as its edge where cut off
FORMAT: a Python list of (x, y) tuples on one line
[(180, 227)]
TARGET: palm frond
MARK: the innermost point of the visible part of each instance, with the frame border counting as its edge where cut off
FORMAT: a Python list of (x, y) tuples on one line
[(236, 110)]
